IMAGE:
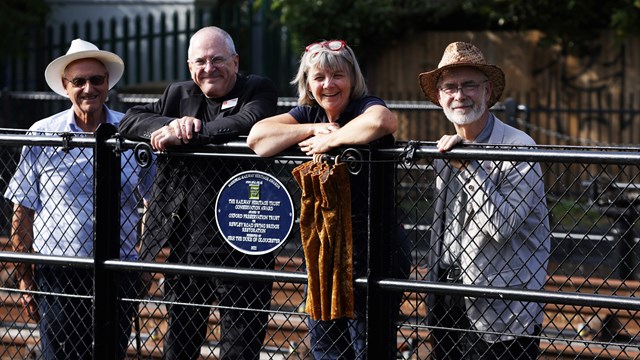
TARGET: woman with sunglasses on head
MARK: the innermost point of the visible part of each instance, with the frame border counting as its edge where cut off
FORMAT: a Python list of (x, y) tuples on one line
[(334, 109)]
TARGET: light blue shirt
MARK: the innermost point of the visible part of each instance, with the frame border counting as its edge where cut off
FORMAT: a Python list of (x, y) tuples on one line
[(58, 186)]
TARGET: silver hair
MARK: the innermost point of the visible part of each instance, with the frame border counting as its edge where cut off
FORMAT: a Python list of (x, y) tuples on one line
[(214, 31), (326, 59)]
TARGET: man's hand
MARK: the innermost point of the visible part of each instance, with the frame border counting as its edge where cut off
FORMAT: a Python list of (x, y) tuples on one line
[(144, 284), (21, 241), (178, 132), (185, 127), (27, 300), (448, 142)]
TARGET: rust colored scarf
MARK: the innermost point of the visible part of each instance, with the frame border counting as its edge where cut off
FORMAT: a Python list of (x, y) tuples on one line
[(325, 230)]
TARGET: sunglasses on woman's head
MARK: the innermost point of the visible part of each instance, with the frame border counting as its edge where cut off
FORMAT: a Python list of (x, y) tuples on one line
[(333, 45)]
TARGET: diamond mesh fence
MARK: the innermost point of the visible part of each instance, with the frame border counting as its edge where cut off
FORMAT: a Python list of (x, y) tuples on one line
[(180, 287), (591, 197)]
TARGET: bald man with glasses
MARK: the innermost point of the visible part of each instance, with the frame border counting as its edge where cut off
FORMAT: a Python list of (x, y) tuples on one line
[(217, 105)]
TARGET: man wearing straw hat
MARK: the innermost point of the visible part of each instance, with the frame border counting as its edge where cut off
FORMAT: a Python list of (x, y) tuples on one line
[(52, 192), (490, 225)]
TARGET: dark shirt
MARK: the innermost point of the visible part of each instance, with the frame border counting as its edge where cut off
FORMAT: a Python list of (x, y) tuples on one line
[(305, 114), (485, 134), (255, 98), (359, 183)]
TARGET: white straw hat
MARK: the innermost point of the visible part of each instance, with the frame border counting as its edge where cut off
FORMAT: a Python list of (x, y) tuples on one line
[(81, 49)]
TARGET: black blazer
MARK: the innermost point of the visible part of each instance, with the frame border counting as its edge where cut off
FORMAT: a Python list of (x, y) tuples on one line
[(257, 99), (181, 212)]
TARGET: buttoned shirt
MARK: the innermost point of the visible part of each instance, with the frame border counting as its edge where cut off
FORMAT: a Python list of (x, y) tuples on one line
[(58, 185), (505, 239), (455, 211)]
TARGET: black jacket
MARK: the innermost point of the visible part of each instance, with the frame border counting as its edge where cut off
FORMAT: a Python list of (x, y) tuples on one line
[(181, 211)]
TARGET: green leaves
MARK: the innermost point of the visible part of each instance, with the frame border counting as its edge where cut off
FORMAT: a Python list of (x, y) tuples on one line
[(368, 25), (16, 17)]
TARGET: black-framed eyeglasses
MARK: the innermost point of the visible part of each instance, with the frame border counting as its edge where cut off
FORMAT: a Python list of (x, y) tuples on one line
[(333, 45), (216, 61), (467, 88), (79, 82)]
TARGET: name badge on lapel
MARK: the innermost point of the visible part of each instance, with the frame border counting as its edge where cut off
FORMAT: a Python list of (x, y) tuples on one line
[(227, 104)]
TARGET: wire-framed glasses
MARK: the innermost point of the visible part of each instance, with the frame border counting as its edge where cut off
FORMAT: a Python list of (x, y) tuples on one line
[(333, 45), (216, 61), (467, 88)]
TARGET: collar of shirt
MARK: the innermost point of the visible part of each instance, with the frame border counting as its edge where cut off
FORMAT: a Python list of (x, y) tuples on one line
[(485, 134), (72, 125)]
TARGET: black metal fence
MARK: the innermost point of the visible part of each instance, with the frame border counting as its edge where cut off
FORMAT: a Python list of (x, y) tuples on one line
[(20, 109), (592, 204), (589, 297), (154, 45)]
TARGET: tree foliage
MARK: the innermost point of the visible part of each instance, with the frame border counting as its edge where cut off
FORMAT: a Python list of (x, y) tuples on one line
[(17, 18), (571, 24), (369, 25)]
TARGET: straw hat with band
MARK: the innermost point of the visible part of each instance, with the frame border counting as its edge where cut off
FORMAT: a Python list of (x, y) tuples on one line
[(81, 49), (461, 54)]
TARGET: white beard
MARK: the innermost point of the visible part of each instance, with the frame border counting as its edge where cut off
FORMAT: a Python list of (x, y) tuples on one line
[(464, 119)]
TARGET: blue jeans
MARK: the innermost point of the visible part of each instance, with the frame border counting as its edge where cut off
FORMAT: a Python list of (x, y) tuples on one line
[(338, 339), (346, 338), (66, 321)]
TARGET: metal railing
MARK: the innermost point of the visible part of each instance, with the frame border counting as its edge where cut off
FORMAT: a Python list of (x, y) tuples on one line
[(590, 292)]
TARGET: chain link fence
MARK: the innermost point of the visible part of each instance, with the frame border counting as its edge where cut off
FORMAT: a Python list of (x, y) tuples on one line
[(588, 298)]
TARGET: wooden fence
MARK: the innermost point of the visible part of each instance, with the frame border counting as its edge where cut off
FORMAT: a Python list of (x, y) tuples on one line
[(587, 99)]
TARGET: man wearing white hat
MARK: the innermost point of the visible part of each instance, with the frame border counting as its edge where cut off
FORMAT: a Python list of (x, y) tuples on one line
[(490, 226), (52, 192)]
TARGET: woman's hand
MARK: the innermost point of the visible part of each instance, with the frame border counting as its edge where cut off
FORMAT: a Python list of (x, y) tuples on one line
[(319, 142)]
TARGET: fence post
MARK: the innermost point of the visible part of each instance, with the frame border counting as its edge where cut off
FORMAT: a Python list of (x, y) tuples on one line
[(382, 217), (511, 112), (106, 243), (624, 225)]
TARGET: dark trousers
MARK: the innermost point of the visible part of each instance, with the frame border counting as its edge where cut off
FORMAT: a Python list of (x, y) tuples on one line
[(343, 338), (242, 330), (66, 320), (449, 312)]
